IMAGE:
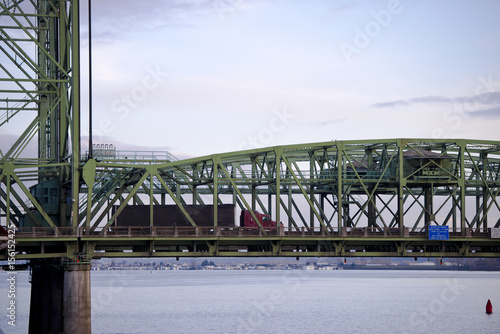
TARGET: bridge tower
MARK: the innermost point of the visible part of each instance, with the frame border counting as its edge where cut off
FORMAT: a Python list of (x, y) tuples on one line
[(40, 82)]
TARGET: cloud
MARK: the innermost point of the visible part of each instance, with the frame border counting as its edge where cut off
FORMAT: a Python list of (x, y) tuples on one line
[(489, 98), (116, 19), (485, 99), (326, 123), (430, 99), (345, 5), (491, 113), (389, 104), (113, 20)]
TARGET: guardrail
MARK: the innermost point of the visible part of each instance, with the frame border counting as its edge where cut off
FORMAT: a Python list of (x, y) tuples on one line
[(220, 231)]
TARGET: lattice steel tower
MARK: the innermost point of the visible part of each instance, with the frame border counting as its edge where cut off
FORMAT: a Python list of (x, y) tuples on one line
[(40, 85), (41, 81)]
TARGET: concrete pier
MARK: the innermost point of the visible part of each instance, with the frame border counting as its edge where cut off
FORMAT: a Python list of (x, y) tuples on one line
[(76, 299), (47, 277), (60, 297)]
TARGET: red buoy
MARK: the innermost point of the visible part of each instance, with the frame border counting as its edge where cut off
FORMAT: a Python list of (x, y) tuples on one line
[(489, 307)]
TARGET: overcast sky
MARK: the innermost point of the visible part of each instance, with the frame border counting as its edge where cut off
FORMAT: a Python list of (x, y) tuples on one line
[(197, 77)]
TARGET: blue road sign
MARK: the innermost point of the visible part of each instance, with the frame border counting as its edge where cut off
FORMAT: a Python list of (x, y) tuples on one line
[(439, 232)]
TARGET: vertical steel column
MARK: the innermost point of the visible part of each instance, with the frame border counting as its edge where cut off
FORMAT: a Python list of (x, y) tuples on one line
[(311, 190), (215, 172), (485, 208), (372, 213), (195, 192), (401, 184), (254, 187), (428, 205), (290, 206), (269, 200), (88, 175), (278, 189), (461, 184), (151, 200), (53, 119), (90, 77), (178, 193), (64, 107), (340, 192), (454, 211), (484, 159), (42, 67), (75, 122), (372, 202)]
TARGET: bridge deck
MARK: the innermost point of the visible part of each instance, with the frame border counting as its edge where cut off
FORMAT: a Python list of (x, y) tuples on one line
[(249, 242)]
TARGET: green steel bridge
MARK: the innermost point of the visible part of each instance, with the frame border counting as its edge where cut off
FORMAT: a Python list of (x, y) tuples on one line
[(337, 198), (343, 198), (61, 207)]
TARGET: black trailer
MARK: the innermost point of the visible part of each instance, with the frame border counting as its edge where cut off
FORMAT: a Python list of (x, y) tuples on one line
[(171, 215)]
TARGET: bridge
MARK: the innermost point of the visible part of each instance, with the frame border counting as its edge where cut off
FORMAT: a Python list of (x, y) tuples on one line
[(343, 198), (64, 207)]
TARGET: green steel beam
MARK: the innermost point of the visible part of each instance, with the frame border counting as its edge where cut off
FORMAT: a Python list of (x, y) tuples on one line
[(247, 246)]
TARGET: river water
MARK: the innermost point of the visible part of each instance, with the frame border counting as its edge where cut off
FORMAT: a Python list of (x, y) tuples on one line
[(288, 301)]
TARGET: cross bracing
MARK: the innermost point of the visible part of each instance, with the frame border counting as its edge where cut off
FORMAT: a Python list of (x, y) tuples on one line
[(337, 198), (337, 183)]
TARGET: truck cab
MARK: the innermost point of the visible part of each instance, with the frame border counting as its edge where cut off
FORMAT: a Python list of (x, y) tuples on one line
[(246, 220)]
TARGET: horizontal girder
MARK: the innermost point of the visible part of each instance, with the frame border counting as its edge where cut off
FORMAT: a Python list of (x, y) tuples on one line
[(223, 242)]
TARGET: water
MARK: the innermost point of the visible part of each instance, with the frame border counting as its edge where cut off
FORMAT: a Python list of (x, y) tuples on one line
[(282, 302)]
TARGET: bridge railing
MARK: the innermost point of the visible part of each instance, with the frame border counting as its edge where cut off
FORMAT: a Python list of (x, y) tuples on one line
[(235, 232), (38, 232)]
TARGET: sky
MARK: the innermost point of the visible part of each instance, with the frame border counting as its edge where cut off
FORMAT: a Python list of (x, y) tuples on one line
[(198, 77)]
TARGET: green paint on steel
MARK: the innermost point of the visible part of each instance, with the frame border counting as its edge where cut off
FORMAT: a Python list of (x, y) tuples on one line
[(402, 183)]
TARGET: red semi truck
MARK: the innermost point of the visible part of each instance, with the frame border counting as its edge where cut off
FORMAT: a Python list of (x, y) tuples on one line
[(171, 215), (246, 220)]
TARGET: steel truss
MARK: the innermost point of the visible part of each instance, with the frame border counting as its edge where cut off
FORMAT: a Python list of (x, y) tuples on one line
[(39, 68), (343, 198), (338, 198)]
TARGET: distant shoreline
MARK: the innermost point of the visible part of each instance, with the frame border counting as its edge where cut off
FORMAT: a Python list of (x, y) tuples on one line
[(417, 267)]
